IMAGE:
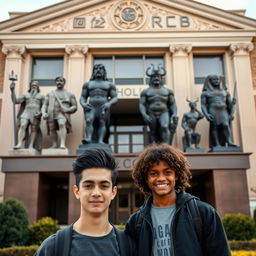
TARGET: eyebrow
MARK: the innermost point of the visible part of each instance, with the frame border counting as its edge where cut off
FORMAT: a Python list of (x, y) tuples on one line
[(93, 181)]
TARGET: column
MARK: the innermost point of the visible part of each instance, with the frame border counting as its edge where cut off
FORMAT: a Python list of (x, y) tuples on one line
[(75, 81), (245, 104), (181, 83), (14, 61)]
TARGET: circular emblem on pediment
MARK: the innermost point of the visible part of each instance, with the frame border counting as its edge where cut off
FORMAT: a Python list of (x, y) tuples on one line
[(128, 15)]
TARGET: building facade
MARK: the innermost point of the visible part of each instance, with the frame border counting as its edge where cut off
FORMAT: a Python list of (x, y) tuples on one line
[(191, 40)]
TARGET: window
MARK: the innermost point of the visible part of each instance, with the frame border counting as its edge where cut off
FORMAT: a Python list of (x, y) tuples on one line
[(128, 70), (127, 139), (46, 69), (205, 65)]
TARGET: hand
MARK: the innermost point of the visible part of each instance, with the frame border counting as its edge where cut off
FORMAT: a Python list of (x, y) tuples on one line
[(210, 118), (12, 86), (106, 106), (87, 107), (64, 109), (147, 119), (231, 117), (233, 101), (45, 115), (38, 114)]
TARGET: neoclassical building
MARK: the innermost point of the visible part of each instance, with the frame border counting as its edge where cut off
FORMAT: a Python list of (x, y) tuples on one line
[(191, 40)]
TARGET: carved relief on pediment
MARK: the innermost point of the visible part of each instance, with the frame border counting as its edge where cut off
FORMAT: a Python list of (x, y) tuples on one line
[(129, 15)]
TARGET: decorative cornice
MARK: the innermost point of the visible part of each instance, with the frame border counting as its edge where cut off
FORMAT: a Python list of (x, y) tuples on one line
[(180, 49), (241, 49), (14, 50), (76, 50)]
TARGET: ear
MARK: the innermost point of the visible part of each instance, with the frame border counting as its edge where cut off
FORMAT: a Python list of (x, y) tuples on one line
[(114, 192), (76, 191)]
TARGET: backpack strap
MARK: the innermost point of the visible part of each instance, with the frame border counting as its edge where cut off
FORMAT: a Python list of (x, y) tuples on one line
[(194, 214), (124, 242), (63, 241)]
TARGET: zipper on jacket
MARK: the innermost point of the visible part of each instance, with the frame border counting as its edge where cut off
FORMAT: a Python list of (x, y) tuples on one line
[(152, 232), (175, 214)]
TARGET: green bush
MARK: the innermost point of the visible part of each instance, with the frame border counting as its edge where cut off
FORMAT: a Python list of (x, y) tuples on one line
[(254, 214), (19, 251), (239, 226), (41, 229), (13, 223)]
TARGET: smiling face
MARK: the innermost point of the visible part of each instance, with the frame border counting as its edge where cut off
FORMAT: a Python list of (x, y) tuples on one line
[(161, 180), (95, 191)]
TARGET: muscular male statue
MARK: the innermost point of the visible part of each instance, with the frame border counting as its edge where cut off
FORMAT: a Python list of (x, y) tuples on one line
[(57, 107), (188, 123), (218, 108), (158, 107), (29, 117), (98, 95)]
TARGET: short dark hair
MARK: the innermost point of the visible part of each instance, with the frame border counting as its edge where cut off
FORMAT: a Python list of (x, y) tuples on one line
[(94, 158), (155, 153)]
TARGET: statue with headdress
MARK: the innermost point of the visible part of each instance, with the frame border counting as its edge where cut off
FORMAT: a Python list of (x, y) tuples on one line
[(158, 107), (188, 123), (218, 108)]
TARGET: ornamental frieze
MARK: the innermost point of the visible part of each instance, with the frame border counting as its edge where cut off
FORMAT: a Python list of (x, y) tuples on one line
[(128, 15)]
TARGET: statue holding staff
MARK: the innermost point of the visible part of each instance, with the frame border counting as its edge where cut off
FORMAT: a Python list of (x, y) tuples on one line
[(29, 117)]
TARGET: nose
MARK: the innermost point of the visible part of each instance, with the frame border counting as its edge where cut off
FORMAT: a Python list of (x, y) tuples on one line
[(161, 177), (96, 192)]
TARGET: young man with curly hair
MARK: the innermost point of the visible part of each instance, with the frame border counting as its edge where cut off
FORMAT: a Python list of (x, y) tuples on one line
[(164, 225)]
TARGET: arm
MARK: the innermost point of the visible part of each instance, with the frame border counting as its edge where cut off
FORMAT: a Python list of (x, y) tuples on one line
[(84, 97), (113, 97), (208, 116), (142, 107), (215, 239), (184, 123), (73, 105), (44, 108), (172, 106), (230, 105)]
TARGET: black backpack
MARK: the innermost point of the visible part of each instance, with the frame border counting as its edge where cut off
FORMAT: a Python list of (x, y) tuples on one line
[(64, 237)]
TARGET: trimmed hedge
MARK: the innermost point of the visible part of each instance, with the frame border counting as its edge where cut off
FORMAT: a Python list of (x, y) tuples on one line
[(41, 229), (243, 245), (19, 251), (239, 226)]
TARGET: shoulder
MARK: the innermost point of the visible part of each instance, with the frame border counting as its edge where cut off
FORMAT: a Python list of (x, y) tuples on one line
[(47, 247)]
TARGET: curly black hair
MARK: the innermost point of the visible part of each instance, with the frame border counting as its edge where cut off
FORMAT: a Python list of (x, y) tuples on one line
[(155, 153)]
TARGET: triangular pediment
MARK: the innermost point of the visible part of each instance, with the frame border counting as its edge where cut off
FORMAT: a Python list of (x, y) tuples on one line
[(127, 15)]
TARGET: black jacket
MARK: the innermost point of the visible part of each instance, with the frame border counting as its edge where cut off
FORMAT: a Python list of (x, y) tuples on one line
[(184, 238)]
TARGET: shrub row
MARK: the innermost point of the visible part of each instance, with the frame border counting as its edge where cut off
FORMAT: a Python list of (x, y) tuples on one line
[(243, 253), (19, 251), (243, 245)]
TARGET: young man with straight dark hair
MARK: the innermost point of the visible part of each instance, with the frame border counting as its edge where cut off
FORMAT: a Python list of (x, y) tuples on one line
[(92, 234), (172, 222)]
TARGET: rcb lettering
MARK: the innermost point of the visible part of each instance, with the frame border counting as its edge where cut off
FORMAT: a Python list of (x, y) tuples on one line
[(170, 21)]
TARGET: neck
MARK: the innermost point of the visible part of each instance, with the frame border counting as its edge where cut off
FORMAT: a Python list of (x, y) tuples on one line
[(163, 201), (93, 225)]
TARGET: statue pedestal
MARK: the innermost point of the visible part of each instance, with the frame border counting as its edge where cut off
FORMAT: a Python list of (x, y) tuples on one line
[(84, 147), (24, 152), (226, 149), (194, 150), (55, 151)]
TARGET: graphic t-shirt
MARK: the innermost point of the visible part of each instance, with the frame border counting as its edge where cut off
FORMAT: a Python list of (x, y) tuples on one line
[(162, 219), (94, 246)]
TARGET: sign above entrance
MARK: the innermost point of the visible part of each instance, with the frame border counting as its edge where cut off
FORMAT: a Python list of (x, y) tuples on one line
[(129, 92)]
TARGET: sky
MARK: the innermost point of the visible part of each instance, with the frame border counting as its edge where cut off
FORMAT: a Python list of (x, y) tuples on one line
[(31, 5)]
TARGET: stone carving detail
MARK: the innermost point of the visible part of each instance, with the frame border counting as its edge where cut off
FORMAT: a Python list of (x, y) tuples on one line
[(15, 50), (180, 49), (60, 26), (241, 48), (128, 15), (203, 25), (76, 49)]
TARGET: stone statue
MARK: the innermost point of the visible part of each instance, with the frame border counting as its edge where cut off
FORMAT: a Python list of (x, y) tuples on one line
[(98, 95), (29, 117), (57, 107), (218, 109), (158, 107), (188, 123)]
